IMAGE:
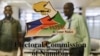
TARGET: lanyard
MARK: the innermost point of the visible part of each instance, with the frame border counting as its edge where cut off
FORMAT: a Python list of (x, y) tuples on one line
[(69, 25)]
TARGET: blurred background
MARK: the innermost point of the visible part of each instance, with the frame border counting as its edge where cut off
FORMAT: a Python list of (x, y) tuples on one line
[(89, 8)]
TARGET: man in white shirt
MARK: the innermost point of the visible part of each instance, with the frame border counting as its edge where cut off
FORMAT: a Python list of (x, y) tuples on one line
[(75, 31)]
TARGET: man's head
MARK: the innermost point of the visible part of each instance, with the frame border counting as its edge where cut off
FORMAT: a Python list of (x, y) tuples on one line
[(68, 9), (8, 11)]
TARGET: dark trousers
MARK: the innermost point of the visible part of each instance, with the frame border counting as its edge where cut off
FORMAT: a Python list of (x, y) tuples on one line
[(77, 51)]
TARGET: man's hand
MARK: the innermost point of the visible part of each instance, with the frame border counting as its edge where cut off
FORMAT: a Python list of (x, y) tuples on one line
[(45, 43)]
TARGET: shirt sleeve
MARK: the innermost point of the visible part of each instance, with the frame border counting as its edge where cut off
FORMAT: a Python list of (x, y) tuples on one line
[(84, 35), (56, 38), (0, 27), (19, 27)]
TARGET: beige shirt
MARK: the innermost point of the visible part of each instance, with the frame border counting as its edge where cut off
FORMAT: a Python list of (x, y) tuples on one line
[(78, 33)]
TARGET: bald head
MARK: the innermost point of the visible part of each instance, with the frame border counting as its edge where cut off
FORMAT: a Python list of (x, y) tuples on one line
[(68, 9), (70, 5)]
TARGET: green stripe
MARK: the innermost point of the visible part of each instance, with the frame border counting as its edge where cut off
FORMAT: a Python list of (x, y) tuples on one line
[(59, 19)]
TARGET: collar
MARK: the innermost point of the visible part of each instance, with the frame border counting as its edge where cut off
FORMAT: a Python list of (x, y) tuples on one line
[(72, 17), (11, 20)]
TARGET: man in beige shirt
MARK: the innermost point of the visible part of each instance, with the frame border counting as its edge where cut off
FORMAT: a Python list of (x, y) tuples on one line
[(75, 31)]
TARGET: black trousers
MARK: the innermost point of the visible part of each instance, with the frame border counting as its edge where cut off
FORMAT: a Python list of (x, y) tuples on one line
[(77, 51)]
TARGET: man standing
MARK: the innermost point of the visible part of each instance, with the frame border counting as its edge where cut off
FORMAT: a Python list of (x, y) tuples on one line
[(10, 34), (75, 31)]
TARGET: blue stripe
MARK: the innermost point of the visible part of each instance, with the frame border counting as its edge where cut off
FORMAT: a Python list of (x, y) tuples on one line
[(33, 24)]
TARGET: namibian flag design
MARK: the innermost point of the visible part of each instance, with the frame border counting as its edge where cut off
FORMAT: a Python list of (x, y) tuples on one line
[(45, 26)]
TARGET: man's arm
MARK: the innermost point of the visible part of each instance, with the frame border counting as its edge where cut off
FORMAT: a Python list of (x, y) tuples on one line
[(54, 39), (20, 39), (84, 35)]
